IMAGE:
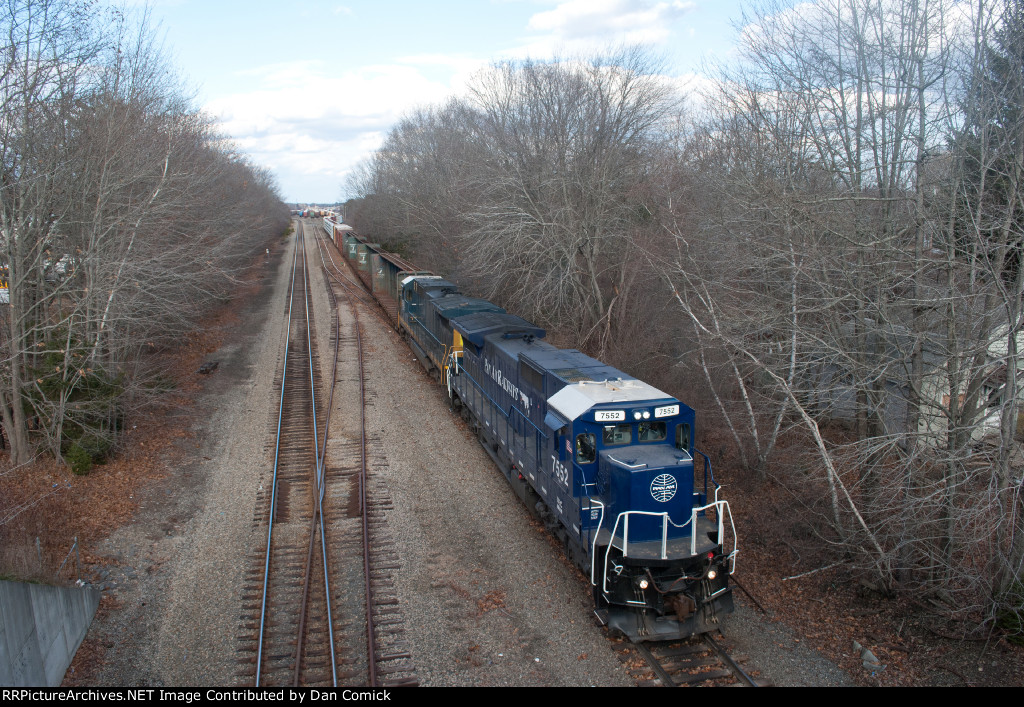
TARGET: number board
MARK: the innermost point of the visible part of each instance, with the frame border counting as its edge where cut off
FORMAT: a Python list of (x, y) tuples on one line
[(667, 411), (609, 415)]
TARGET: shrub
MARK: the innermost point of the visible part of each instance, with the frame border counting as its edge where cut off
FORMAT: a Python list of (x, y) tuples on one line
[(78, 459)]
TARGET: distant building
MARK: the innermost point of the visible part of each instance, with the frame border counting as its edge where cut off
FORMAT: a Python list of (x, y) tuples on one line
[(831, 391)]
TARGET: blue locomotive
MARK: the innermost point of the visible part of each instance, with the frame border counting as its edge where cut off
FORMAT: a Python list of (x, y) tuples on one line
[(606, 461)]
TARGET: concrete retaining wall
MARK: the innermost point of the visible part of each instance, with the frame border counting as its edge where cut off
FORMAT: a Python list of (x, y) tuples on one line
[(40, 629)]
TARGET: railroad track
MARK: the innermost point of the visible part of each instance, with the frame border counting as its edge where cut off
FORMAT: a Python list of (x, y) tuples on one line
[(386, 657), (288, 607), (700, 660)]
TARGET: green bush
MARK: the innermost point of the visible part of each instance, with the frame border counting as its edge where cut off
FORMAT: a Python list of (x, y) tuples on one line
[(88, 396), (78, 459), (96, 446)]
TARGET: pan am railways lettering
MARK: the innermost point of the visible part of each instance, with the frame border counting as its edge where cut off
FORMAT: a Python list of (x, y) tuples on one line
[(508, 386)]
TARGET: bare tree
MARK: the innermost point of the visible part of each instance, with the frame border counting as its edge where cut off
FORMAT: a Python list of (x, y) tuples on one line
[(536, 185), (123, 213), (825, 136), (416, 190), (984, 247), (561, 207), (840, 229), (47, 48)]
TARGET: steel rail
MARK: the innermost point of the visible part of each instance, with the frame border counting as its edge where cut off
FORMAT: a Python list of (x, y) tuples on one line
[(321, 456), (318, 495), (732, 664), (277, 456), (355, 289), (334, 368), (655, 665), (749, 595)]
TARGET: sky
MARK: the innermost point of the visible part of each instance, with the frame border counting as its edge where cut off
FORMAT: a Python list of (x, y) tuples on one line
[(309, 88)]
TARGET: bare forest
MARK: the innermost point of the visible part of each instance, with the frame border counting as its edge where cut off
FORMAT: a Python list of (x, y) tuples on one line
[(820, 247), (123, 216)]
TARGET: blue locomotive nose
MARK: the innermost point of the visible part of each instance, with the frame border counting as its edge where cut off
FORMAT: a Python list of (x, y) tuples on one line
[(645, 483)]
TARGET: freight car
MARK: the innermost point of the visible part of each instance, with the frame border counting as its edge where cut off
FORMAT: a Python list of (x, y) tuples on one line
[(606, 461)]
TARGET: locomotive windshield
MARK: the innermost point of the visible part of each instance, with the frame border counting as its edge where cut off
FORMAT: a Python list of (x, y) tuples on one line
[(617, 434), (652, 431)]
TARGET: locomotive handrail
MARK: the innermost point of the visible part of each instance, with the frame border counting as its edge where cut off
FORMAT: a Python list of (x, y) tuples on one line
[(416, 320), (624, 518), (721, 510), (593, 546), (708, 471), (454, 365), (625, 539), (591, 533)]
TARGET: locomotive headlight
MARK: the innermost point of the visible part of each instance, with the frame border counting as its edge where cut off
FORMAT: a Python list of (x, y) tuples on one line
[(712, 574), (637, 415), (647, 415), (643, 583)]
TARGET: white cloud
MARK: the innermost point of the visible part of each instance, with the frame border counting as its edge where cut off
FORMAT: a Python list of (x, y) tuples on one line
[(635, 21)]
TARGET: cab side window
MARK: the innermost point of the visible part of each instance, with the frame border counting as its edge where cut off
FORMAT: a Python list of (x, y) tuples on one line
[(683, 436), (586, 448)]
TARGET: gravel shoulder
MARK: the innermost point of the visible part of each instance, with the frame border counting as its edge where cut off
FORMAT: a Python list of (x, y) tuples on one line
[(777, 652)]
